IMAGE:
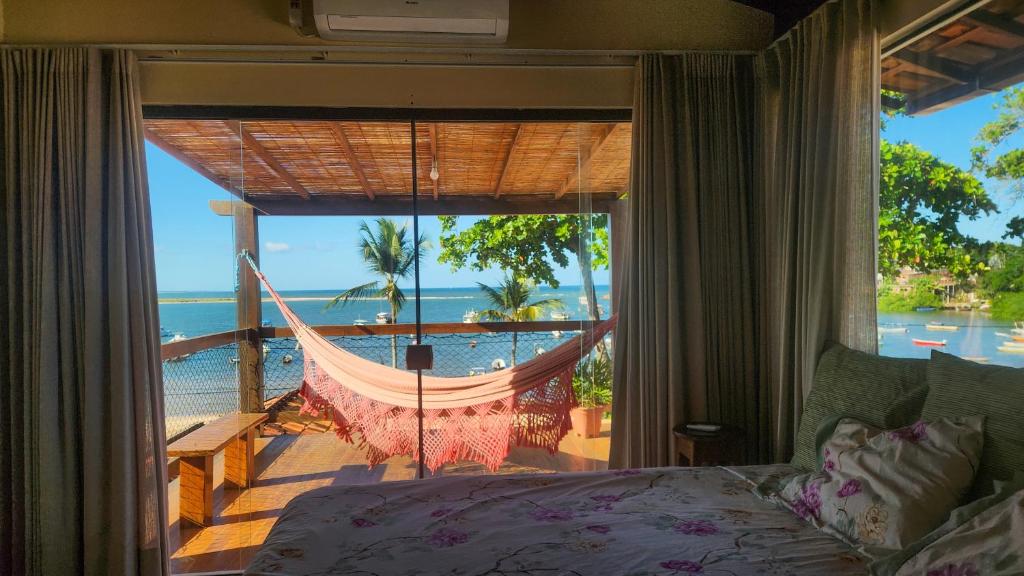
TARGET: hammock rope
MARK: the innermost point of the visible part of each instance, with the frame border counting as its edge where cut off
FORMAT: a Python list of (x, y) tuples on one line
[(476, 417)]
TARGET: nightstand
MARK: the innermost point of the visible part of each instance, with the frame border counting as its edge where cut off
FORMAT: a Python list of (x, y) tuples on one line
[(720, 448)]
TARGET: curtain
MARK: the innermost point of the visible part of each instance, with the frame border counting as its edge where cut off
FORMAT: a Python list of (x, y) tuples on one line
[(82, 461), (685, 338), (818, 172)]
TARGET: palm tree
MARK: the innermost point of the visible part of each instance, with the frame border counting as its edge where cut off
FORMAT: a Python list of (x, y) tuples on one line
[(388, 253), (510, 302)]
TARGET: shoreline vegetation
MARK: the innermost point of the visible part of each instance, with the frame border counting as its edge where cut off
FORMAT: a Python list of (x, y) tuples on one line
[(228, 299)]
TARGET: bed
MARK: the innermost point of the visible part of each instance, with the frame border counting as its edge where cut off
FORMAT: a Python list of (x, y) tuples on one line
[(650, 521)]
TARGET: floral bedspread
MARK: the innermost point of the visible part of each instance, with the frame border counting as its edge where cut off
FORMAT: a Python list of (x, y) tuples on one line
[(678, 521)]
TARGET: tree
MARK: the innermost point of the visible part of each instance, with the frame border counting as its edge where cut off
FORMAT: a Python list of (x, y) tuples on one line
[(526, 247), (388, 253), (510, 302), (990, 157), (921, 201)]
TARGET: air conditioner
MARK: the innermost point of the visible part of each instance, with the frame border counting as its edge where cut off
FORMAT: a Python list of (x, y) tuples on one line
[(419, 21)]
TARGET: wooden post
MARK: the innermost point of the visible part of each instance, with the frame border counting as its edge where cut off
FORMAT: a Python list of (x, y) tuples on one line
[(248, 306)]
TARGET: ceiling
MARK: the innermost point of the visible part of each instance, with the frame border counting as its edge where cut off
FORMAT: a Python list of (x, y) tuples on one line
[(359, 167), (786, 13)]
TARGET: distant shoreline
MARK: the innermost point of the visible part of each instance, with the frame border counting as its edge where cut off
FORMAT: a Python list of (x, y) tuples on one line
[(227, 300)]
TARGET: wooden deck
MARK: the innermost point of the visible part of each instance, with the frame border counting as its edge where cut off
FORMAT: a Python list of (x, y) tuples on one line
[(304, 456)]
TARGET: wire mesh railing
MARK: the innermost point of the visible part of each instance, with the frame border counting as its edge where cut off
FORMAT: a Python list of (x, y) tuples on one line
[(200, 386), (203, 384)]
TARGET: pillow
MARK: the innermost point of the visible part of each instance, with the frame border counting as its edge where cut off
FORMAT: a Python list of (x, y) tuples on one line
[(991, 543), (879, 391), (958, 387), (881, 491), (966, 530)]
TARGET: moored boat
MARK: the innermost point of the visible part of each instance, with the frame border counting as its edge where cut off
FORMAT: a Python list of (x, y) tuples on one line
[(892, 330), (925, 309), (559, 315), (470, 317), (939, 327), (383, 318), (1011, 349), (921, 342)]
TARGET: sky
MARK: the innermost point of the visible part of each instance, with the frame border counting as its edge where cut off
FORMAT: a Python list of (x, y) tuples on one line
[(194, 246)]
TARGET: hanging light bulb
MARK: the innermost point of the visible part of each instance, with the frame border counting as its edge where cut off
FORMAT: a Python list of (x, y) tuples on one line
[(434, 174)]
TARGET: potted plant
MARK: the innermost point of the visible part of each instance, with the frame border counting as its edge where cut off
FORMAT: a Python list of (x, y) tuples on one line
[(592, 385)]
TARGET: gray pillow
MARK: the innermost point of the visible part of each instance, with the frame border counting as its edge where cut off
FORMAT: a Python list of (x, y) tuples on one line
[(881, 392), (957, 387)]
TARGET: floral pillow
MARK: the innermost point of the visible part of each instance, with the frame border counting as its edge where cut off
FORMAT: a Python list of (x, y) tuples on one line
[(881, 491)]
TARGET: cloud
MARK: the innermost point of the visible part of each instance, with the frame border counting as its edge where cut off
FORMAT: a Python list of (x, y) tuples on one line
[(277, 247)]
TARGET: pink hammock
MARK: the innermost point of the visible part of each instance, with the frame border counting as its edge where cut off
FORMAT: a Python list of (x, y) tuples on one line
[(468, 418)]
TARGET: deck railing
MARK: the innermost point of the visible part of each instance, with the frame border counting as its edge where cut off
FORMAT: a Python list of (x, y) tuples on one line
[(201, 375)]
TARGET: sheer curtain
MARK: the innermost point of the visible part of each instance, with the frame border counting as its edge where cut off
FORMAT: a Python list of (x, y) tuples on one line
[(750, 236), (684, 343), (82, 463), (818, 173)]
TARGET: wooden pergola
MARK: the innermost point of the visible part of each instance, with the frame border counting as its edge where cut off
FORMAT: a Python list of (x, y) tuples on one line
[(978, 53), (353, 168)]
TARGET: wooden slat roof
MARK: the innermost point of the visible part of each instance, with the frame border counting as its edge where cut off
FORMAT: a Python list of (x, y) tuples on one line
[(329, 161), (976, 54)]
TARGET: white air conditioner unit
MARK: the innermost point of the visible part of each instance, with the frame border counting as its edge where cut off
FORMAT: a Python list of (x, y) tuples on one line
[(420, 21)]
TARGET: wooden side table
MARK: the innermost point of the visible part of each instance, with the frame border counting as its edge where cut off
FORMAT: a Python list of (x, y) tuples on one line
[(721, 448)]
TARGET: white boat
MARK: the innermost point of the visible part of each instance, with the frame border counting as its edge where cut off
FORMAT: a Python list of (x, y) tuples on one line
[(559, 315), (383, 318), (1012, 344), (892, 330), (470, 317), (938, 327), (556, 333), (978, 359), (178, 338), (360, 322), (1011, 349), (1004, 335)]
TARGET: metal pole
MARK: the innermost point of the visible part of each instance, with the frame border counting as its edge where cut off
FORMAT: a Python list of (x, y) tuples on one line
[(416, 269)]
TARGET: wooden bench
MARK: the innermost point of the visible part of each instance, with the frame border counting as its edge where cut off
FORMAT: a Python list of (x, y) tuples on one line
[(219, 452)]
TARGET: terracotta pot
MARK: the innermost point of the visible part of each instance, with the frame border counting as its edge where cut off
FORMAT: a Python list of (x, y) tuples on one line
[(586, 422)]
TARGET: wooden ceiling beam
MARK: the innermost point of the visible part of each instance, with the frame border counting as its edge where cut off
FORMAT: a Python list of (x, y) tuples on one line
[(433, 157), (351, 158), (996, 23), (508, 161), (587, 155), (323, 205), (951, 69), (158, 141), (263, 154)]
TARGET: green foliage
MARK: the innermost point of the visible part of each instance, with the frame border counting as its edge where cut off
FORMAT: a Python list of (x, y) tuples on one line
[(592, 382), (921, 200), (524, 245), (512, 302), (1007, 270), (989, 157), (1008, 306), (922, 293)]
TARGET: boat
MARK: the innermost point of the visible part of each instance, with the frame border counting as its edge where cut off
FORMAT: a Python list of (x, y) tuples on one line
[(178, 338), (470, 317), (892, 330), (559, 315), (978, 359), (925, 309), (940, 327), (1011, 349), (920, 342), (556, 333), (360, 322), (1004, 335), (1016, 338), (383, 318)]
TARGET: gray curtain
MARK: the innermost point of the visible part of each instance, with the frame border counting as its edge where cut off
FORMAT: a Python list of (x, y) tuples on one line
[(750, 236), (685, 338), (82, 461), (818, 174)]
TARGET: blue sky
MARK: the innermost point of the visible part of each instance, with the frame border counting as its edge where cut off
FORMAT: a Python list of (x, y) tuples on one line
[(194, 246)]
